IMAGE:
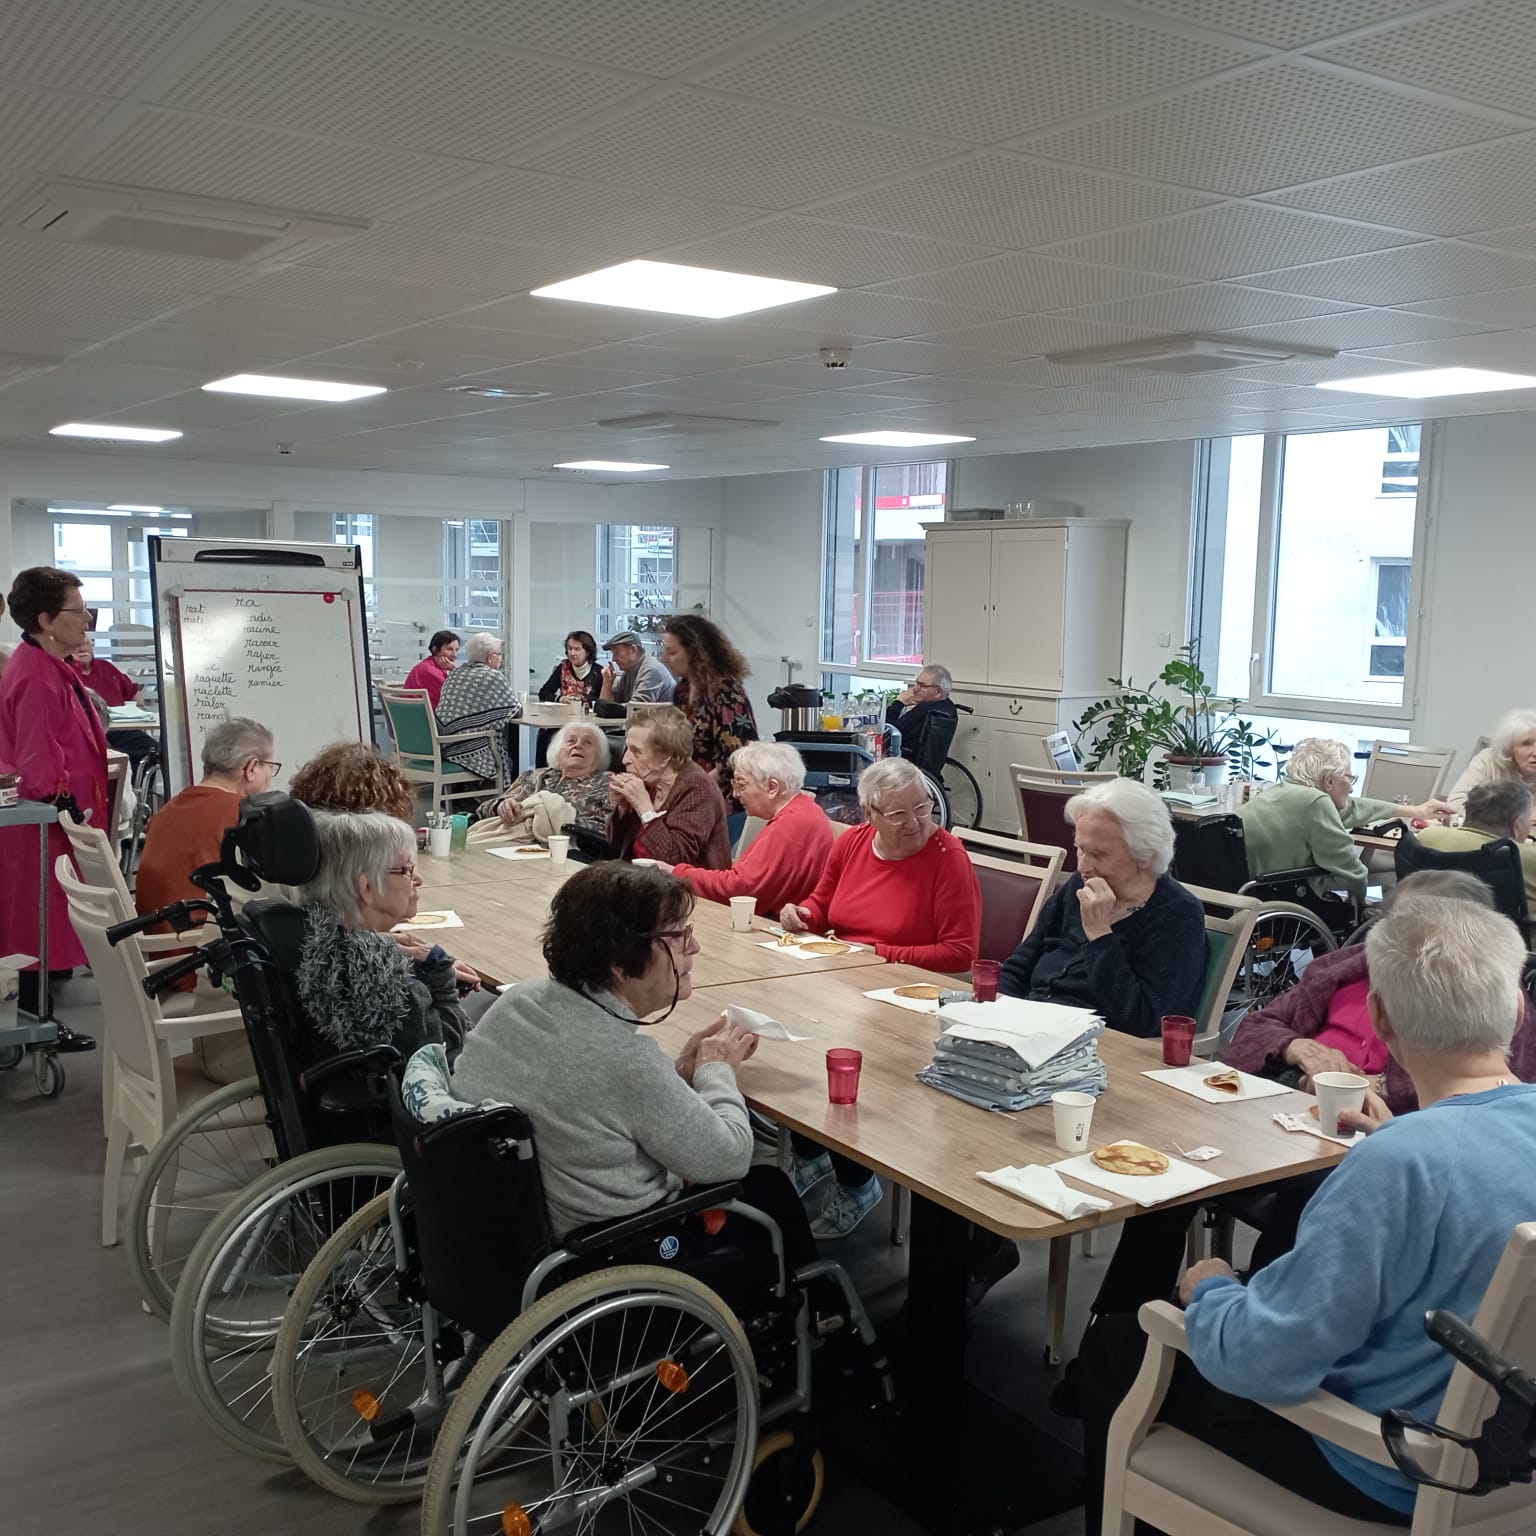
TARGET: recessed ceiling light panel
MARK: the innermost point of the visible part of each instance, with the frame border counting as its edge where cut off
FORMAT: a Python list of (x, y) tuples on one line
[(111, 432), (1430, 383), (617, 465), (277, 388), (898, 439), (670, 289), (128, 506)]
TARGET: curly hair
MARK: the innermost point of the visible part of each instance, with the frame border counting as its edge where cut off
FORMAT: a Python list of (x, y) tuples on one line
[(352, 776), (584, 639), (711, 657), (38, 590), (605, 918)]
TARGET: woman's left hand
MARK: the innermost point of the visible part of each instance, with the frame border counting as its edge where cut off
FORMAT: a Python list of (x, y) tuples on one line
[(413, 944), (1206, 1269), (510, 811), (467, 974), (632, 790)]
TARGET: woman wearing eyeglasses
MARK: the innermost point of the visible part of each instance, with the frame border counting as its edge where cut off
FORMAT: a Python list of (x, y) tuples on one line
[(620, 1126), (51, 737), (361, 983)]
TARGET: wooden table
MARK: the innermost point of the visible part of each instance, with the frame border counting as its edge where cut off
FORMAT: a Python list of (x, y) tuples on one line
[(550, 717)]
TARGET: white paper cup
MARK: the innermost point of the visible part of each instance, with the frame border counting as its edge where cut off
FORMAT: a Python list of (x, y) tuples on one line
[(438, 841), (1074, 1114), (559, 848), (742, 908), (1336, 1092)]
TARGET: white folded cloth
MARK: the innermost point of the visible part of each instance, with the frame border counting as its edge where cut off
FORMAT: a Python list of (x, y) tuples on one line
[(759, 1024), (1036, 1031), (1045, 1187)]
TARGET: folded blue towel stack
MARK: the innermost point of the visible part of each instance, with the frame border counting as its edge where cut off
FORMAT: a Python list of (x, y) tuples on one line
[(992, 1075)]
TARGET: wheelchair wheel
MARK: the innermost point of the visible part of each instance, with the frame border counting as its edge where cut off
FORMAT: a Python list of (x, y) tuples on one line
[(626, 1400), (963, 793), (214, 1150), (236, 1284), (941, 811), (1286, 939), (352, 1361), (785, 1490)]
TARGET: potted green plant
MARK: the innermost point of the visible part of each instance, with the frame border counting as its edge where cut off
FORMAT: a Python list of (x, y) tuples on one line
[(1178, 716)]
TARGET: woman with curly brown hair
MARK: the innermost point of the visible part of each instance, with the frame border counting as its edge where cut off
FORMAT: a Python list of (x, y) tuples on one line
[(709, 672), (353, 776)]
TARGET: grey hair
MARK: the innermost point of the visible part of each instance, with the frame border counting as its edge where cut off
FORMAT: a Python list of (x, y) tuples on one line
[(764, 760), (943, 679), (481, 646), (579, 728), (1316, 755), (353, 844), (1497, 805), (1454, 883), (1143, 817), (1448, 975), (889, 776), (231, 744), (1515, 726)]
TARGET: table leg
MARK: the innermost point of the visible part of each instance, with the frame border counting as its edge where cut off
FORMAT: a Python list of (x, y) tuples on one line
[(1056, 1297), (44, 1002)]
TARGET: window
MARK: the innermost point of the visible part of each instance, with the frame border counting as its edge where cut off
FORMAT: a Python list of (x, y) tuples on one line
[(357, 528), (872, 584), (1305, 570), (472, 574)]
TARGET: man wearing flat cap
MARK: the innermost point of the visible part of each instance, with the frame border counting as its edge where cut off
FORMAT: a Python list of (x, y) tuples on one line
[(632, 677)]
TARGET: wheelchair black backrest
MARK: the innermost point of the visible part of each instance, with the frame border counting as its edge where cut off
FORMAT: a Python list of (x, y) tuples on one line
[(1497, 864), (1211, 852), (477, 1201), (931, 744)]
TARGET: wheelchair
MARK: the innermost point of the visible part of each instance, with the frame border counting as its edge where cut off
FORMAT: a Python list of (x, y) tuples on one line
[(635, 1376), (311, 1130)]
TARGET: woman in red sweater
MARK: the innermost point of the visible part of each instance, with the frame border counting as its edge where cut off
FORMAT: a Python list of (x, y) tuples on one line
[(786, 859), (906, 887), (666, 807)]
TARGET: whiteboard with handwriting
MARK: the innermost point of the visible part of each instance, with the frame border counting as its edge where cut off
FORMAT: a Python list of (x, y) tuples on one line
[(281, 644)]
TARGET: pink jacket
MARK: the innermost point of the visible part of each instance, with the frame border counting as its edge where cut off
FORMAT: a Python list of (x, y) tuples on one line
[(51, 736), (1260, 1042)]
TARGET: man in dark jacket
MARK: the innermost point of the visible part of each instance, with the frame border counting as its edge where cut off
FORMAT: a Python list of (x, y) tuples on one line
[(926, 719)]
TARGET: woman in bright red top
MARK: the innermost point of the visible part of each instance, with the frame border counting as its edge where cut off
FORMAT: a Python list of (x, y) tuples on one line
[(786, 859), (432, 670), (112, 685)]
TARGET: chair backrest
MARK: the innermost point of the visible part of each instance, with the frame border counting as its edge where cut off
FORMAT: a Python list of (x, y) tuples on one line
[(1229, 920), (1015, 878), (1507, 1320), (1407, 774), (1496, 864), (93, 858), (478, 1203), (413, 726), (1042, 795), (749, 832), (130, 1015), (1210, 852)]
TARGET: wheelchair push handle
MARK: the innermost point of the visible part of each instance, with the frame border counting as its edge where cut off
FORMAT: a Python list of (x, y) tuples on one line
[(179, 915), (167, 976)]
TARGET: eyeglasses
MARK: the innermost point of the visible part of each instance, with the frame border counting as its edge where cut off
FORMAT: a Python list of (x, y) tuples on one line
[(924, 812), (404, 869), (685, 935), (266, 762), (81, 609)]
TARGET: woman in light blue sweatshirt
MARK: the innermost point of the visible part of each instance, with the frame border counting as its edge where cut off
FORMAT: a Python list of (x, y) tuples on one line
[(1416, 1217)]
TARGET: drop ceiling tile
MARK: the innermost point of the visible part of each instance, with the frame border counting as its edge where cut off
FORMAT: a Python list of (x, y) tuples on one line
[(704, 146), (1522, 239), (1003, 199), (1484, 53), (583, 323), (185, 152), (465, 340), (925, 357), (36, 126), (751, 338), (1361, 328), (1410, 274), (979, 71), (91, 46), (1019, 284), (654, 362), (1511, 351), (1033, 335), (1510, 307), (58, 260), (1483, 187), (490, 264), (315, 288), (1280, 124), (814, 250), (1281, 23), (186, 346), (1206, 307), (863, 313), (806, 374), (306, 328)]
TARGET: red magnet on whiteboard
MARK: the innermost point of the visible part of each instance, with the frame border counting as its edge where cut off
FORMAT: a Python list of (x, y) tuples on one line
[(330, 597)]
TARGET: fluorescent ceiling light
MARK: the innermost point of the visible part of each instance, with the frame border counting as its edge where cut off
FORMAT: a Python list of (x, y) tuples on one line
[(676, 290), (613, 464), (898, 439), (111, 432), (1431, 383), (291, 389), (128, 506)]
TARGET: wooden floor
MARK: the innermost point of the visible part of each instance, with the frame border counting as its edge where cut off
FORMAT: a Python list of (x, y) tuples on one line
[(94, 1435)]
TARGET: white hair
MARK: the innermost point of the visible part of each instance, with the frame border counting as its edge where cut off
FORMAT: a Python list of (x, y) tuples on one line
[(1143, 816), (231, 744), (481, 646), (941, 677), (354, 843), (889, 776), (1448, 975), (764, 760), (1316, 755), (1515, 726), (580, 728)]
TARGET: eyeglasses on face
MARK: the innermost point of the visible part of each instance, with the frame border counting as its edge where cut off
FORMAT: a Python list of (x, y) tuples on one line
[(900, 818), (266, 762), (405, 869), (682, 935)]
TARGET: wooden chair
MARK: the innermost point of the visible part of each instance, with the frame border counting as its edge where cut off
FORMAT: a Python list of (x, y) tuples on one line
[(1177, 1483), (1406, 774), (1015, 879), (419, 747), (1042, 795)]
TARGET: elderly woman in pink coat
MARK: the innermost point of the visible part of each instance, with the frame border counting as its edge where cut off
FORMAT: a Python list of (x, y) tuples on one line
[(50, 735)]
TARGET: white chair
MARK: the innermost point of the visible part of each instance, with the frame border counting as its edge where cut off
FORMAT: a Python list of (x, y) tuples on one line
[(149, 1087), (1177, 1483), (1404, 773)]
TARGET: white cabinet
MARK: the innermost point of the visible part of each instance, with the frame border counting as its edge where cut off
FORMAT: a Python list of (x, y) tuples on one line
[(1028, 607), (958, 600)]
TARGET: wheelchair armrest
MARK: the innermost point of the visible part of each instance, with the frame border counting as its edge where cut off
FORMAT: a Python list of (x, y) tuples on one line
[(362, 1068), (603, 1234), (1285, 877)]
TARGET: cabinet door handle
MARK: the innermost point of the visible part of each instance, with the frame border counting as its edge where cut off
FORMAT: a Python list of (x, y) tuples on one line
[(1014, 707)]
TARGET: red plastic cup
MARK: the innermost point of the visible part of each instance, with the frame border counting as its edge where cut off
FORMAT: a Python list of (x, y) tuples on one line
[(843, 1075), (984, 974), (1178, 1039)]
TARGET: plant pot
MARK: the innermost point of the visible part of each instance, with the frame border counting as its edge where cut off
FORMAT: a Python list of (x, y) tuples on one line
[(1213, 772)]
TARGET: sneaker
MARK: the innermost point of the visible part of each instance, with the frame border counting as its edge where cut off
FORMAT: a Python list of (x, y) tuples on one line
[(843, 1208), (808, 1172)]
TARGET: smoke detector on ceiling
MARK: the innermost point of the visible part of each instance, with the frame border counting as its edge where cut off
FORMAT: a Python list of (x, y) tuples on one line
[(173, 223), (679, 424), (835, 357), (1191, 354)]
